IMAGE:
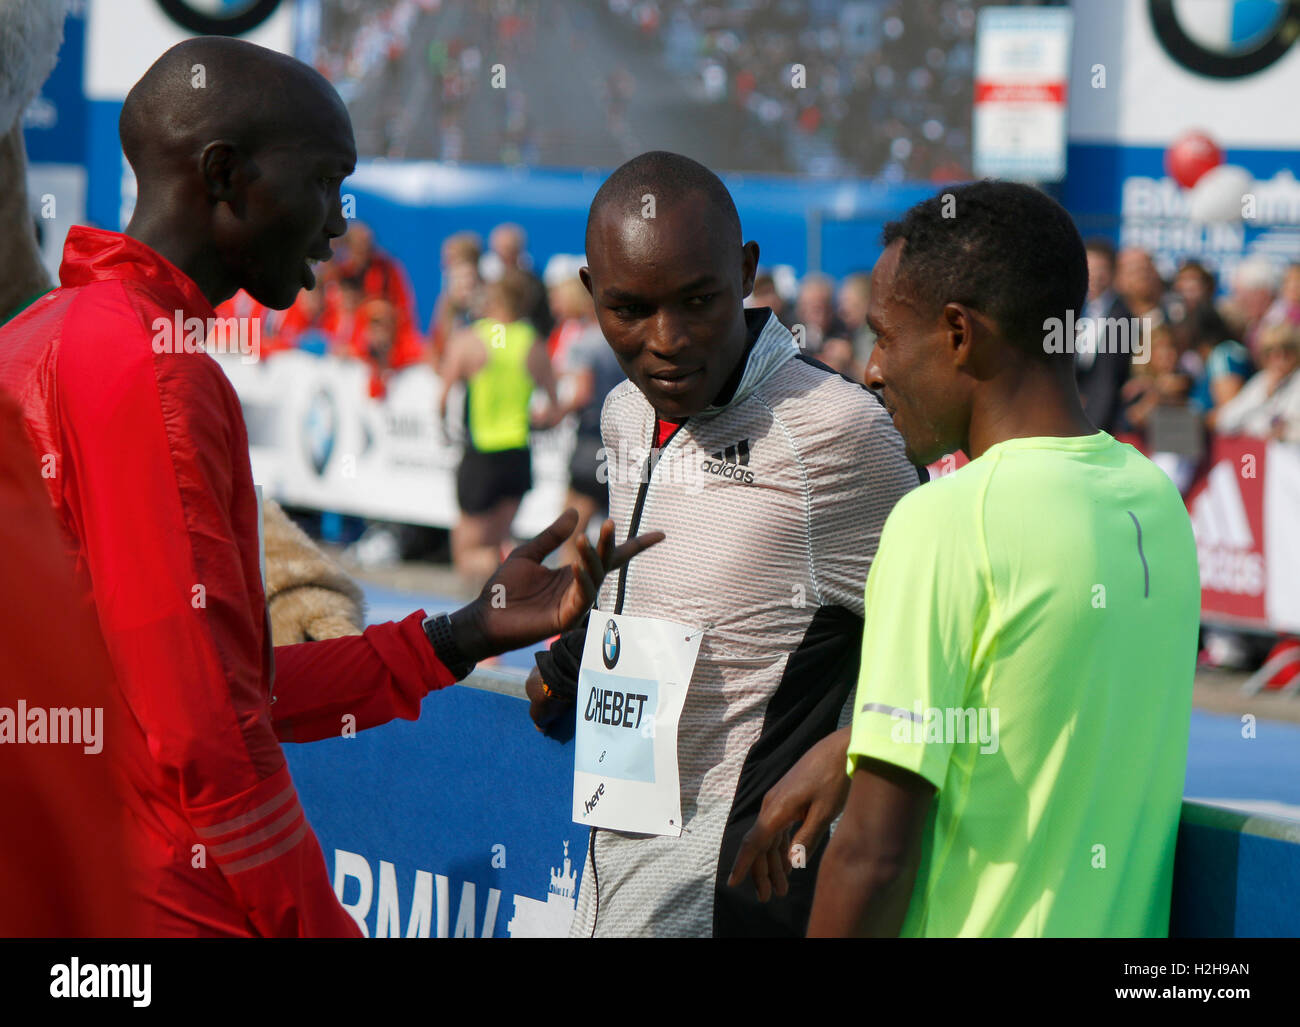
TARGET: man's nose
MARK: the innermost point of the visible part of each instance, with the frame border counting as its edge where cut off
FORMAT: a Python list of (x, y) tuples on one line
[(668, 335), (874, 377), (336, 224)]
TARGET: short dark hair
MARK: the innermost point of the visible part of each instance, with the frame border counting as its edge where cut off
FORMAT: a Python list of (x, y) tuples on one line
[(1006, 249), (668, 177)]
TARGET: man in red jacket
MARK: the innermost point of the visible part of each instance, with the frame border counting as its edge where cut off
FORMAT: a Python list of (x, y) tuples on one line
[(145, 456)]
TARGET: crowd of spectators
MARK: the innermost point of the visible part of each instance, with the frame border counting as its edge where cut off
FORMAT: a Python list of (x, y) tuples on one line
[(358, 36), (1197, 363), (399, 62), (1169, 362), (886, 85), (874, 88), (1163, 364)]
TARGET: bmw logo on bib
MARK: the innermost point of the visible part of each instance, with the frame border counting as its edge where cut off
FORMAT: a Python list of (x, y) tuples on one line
[(1225, 38), (609, 644)]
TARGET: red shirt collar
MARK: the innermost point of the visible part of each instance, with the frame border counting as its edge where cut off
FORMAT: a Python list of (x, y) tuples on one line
[(95, 255), (664, 430)]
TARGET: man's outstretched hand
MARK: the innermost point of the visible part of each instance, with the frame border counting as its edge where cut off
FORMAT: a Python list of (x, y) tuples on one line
[(524, 602)]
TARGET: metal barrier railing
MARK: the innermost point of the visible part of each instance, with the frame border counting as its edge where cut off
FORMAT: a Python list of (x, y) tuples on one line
[(504, 680)]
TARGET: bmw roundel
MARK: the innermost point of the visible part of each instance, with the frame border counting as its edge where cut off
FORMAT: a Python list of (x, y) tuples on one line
[(320, 429), (1225, 38), (609, 644), (219, 17)]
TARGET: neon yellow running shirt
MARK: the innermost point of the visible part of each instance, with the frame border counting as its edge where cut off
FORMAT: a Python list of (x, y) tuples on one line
[(498, 394), (1029, 649)]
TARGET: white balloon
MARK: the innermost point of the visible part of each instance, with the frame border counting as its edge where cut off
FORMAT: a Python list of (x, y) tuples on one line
[(1217, 197)]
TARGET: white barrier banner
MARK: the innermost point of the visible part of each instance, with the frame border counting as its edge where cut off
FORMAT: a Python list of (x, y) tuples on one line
[(318, 440)]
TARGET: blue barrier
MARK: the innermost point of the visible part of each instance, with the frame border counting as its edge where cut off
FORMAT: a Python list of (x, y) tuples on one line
[(1235, 875), (458, 825), (455, 825)]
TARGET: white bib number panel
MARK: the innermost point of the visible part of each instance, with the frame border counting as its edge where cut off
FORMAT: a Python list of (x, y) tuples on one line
[(631, 689)]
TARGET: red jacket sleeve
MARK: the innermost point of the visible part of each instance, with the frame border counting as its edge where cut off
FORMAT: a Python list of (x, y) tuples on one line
[(159, 493), (373, 677)]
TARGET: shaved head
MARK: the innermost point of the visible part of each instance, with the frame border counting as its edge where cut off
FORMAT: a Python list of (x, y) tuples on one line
[(668, 272), (214, 87), (668, 178), (239, 153)]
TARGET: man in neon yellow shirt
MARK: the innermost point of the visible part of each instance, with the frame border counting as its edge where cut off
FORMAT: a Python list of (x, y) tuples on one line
[(1020, 730)]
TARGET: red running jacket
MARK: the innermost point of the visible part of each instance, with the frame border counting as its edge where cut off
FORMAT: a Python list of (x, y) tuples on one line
[(145, 457), (63, 854)]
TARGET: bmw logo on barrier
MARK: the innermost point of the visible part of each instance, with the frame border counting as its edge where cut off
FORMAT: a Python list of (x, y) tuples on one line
[(320, 429), (219, 17), (609, 644), (1226, 38)]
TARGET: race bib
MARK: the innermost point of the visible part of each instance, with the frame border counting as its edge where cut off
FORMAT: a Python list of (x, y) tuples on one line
[(631, 688)]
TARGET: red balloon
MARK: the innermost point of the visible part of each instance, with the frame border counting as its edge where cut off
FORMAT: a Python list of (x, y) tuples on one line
[(1190, 157)]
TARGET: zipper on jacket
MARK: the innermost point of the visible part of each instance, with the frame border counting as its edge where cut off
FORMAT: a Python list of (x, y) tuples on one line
[(651, 462), (595, 881)]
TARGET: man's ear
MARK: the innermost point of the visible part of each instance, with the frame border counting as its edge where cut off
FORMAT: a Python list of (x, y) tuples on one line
[(223, 173), (749, 268), (958, 323), (584, 273)]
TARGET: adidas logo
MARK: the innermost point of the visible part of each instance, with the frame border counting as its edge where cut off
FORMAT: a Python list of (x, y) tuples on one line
[(730, 463), (1224, 542)]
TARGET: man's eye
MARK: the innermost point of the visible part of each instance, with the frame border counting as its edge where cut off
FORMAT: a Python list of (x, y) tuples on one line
[(629, 312), (702, 300)]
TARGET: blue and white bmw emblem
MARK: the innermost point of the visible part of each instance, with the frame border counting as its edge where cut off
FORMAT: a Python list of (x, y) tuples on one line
[(320, 429), (219, 17), (609, 644), (1225, 38)]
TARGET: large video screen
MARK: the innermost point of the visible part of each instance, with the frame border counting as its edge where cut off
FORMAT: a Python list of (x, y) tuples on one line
[(874, 88)]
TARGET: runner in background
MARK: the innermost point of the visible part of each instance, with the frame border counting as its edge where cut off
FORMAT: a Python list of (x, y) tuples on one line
[(508, 251), (500, 359)]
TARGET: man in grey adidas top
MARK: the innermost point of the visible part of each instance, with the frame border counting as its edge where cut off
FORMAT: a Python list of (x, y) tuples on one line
[(771, 477)]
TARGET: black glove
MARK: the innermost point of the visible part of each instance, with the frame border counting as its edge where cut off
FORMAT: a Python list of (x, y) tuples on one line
[(559, 664)]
